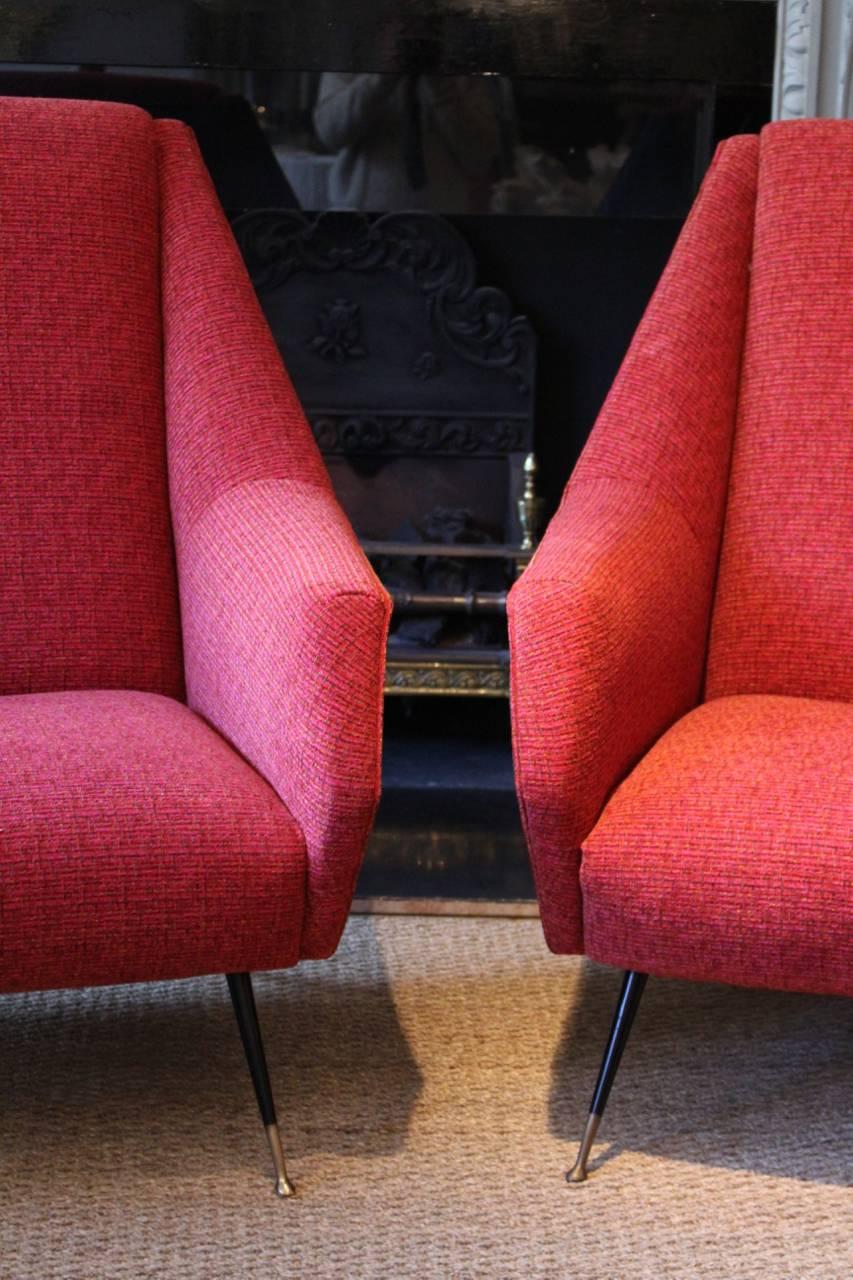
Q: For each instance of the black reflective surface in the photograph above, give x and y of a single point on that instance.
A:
(448, 824)
(728, 41)
(497, 144)
(442, 144)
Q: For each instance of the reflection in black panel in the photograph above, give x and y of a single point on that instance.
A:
(492, 144)
(446, 144)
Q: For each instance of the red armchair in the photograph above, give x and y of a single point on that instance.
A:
(191, 648)
(682, 643)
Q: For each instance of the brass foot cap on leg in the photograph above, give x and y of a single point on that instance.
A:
(578, 1172)
(283, 1186)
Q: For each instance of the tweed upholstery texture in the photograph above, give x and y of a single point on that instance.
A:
(88, 595)
(136, 845)
(705, 442)
(728, 849)
(783, 616)
(284, 622)
(198, 552)
(608, 625)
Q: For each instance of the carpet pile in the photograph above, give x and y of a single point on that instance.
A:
(432, 1081)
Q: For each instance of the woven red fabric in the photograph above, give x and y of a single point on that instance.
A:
(136, 844)
(284, 621)
(89, 596)
(727, 854)
(783, 617)
(608, 625)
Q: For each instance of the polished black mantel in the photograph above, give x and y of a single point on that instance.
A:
(724, 41)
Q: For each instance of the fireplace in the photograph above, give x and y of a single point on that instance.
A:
(418, 381)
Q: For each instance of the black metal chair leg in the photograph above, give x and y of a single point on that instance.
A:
(243, 999)
(633, 985)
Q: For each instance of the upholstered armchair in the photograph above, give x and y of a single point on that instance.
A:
(682, 643)
(191, 648)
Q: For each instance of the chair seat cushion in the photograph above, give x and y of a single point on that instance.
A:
(727, 854)
(136, 844)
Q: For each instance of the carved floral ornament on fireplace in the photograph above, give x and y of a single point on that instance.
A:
(419, 387)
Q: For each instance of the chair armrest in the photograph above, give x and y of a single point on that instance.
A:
(609, 623)
(284, 622)
(284, 639)
(608, 632)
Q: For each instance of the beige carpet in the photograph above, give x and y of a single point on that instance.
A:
(432, 1080)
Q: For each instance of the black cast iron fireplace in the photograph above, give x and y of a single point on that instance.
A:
(419, 384)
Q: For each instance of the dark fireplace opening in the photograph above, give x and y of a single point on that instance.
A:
(451, 362)
(419, 381)
(445, 599)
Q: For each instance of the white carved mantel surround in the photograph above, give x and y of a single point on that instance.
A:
(814, 59)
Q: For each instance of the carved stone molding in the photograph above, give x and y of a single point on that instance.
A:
(425, 252)
(814, 59)
(348, 433)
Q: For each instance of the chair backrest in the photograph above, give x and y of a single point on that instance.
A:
(783, 616)
(88, 591)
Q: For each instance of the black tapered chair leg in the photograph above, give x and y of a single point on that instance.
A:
(243, 999)
(633, 985)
